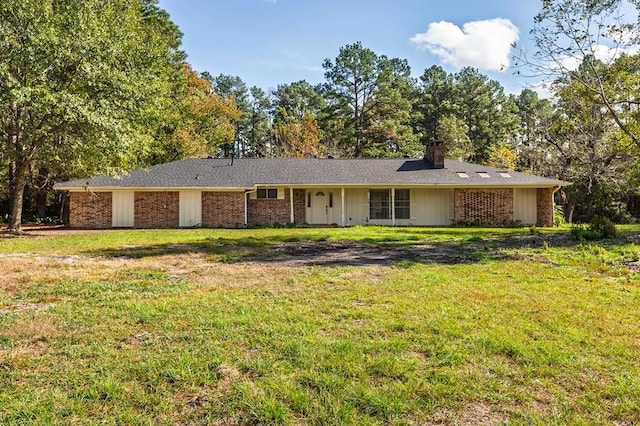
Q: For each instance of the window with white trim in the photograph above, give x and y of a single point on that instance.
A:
(267, 193)
(379, 204)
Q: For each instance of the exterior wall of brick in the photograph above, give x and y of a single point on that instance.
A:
(90, 209)
(299, 206)
(270, 211)
(226, 209)
(483, 206)
(545, 206)
(223, 209)
(157, 209)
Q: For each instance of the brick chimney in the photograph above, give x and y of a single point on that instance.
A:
(434, 155)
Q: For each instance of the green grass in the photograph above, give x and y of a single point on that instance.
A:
(175, 327)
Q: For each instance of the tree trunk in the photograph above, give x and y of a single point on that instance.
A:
(12, 181)
(572, 202)
(20, 181)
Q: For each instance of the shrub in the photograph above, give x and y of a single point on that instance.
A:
(600, 227)
(604, 226)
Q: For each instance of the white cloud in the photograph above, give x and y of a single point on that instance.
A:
(482, 44)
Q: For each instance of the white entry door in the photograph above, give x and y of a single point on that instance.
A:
(190, 208)
(122, 209)
(321, 208)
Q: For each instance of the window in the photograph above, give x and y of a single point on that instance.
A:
(331, 200)
(379, 205)
(308, 199)
(402, 204)
(270, 193)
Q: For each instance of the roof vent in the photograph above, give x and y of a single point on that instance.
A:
(330, 157)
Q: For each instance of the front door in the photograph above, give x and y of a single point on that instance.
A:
(319, 207)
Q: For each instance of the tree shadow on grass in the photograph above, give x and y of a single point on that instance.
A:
(299, 251)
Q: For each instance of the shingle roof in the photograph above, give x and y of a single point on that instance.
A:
(248, 172)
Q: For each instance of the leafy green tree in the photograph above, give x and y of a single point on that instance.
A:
(583, 145)
(488, 113)
(298, 99)
(350, 91)
(80, 84)
(435, 103)
(258, 130)
(572, 33)
(234, 87)
(199, 122)
(452, 131)
(297, 108)
(535, 118)
(297, 137)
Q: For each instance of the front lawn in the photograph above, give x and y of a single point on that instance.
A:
(365, 325)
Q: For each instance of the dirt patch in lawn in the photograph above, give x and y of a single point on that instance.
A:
(353, 253)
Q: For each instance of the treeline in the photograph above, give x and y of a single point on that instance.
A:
(100, 87)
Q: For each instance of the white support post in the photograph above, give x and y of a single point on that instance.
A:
(393, 206)
(246, 211)
(342, 209)
(293, 218)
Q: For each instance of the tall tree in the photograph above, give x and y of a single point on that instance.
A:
(298, 98)
(350, 89)
(535, 118)
(229, 86)
(362, 89)
(488, 113)
(297, 137)
(77, 83)
(258, 128)
(200, 121)
(297, 108)
(435, 103)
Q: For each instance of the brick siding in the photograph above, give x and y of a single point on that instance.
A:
(269, 211)
(223, 209)
(483, 206)
(545, 206)
(90, 209)
(157, 209)
(299, 206)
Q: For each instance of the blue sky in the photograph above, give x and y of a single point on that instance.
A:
(270, 42)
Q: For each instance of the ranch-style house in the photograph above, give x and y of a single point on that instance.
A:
(223, 192)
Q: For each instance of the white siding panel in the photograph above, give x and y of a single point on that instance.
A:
(431, 207)
(525, 207)
(122, 209)
(190, 208)
(357, 206)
